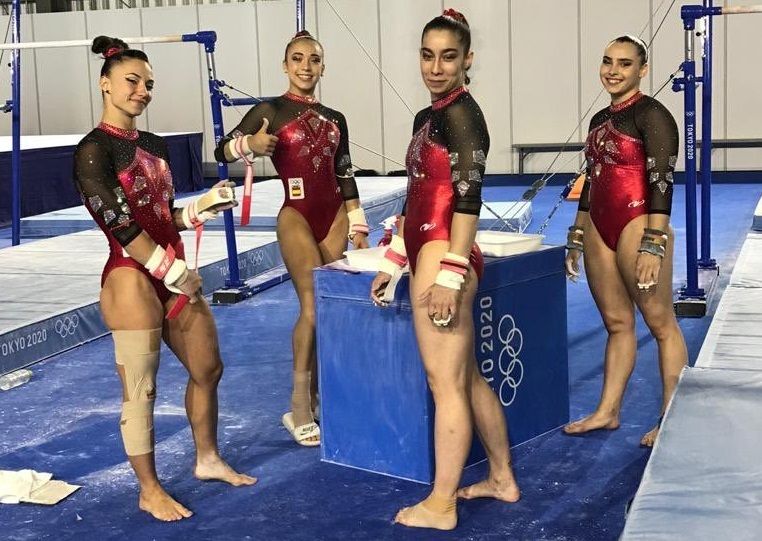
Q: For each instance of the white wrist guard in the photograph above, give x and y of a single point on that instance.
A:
(207, 206)
(452, 271)
(234, 147)
(164, 265)
(395, 256)
(357, 222)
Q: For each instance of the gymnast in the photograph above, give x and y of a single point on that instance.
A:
(445, 162)
(622, 228)
(309, 147)
(148, 292)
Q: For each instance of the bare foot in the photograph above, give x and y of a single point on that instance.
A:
(506, 490)
(162, 506)
(429, 515)
(649, 438)
(594, 421)
(216, 469)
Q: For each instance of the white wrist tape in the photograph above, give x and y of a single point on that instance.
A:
(357, 222)
(452, 271)
(231, 146)
(395, 257)
(166, 267)
(448, 278)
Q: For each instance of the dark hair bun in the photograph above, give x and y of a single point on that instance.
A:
(102, 44)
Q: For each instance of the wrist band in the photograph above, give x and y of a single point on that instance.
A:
(655, 232)
(164, 265)
(395, 256)
(575, 238)
(452, 271)
(238, 149)
(647, 247)
(357, 223)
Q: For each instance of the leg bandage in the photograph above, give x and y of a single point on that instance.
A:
(138, 353)
(301, 400)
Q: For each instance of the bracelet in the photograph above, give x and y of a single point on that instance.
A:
(575, 238)
(647, 247)
(655, 232)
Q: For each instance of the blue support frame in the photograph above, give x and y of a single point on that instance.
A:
(15, 109)
(687, 84)
(706, 261)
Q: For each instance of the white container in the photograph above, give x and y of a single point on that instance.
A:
(366, 259)
(504, 243)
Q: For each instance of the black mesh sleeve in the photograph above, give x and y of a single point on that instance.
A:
(250, 124)
(661, 141)
(101, 192)
(342, 162)
(467, 141)
(584, 197)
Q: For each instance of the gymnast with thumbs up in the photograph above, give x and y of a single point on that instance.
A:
(309, 147)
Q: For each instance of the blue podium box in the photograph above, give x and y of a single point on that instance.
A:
(377, 413)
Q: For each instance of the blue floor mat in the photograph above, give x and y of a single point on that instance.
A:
(65, 420)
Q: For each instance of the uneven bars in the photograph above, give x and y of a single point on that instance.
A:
(88, 42)
(734, 10)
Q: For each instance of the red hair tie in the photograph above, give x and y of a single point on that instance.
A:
(454, 15)
(111, 51)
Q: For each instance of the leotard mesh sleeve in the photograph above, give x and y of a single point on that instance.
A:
(467, 140)
(96, 181)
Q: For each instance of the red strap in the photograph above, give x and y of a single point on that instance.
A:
(182, 300)
(396, 258)
(180, 303)
(247, 182)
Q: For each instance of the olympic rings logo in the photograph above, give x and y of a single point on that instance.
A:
(255, 257)
(67, 325)
(509, 364)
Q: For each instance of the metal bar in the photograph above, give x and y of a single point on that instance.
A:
(706, 260)
(300, 15)
(738, 10)
(88, 42)
(16, 125)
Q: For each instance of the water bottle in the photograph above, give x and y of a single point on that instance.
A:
(14, 379)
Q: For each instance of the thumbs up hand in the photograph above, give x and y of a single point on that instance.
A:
(262, 143)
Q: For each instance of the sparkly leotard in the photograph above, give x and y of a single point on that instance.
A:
(445, 164)
(631, 151)
(311, 156)
(124, 179)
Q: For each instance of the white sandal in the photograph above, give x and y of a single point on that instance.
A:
(302, 433)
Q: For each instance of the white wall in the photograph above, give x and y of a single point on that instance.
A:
(534, 75)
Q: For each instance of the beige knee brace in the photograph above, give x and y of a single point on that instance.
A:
(138, 353)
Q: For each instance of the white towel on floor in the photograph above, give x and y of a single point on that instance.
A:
(33, 487)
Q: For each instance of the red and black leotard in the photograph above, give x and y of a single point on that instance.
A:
(124, 179)
(445, 164)
(311, 157)
(631, 152)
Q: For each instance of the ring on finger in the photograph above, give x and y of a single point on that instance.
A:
(442, 322)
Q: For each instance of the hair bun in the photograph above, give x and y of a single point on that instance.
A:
(455, 15)
(107, 46)
(302, 34)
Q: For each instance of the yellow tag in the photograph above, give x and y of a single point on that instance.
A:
(296, 188)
